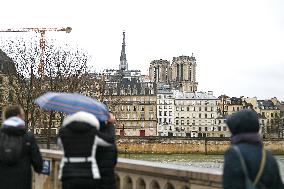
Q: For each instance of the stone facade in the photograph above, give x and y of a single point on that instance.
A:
(184, 73)
(180, 74)
(189, 114)
(165, 112)
(160, 71)
(135, 114)
(137, 174)
(5, 94)
(176, 145)
(271, 118)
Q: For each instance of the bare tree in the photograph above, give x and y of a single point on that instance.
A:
(65, 70)
(22, 78)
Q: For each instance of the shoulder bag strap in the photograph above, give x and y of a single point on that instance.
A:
(261, 167)
(241, 160)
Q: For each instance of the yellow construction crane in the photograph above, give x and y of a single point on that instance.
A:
(42, 40)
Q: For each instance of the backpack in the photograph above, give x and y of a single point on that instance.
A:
(248, 182)
(11, 148)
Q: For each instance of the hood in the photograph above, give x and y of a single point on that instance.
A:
(14, 122)
(244, 121)
(81, 121)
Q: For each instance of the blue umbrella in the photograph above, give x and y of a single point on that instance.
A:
(72, 102)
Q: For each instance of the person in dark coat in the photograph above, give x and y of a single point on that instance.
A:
(244, 126)
(79, 138)
(19, 175)
(107, 155)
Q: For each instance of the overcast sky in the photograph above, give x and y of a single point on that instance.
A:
(238, 44)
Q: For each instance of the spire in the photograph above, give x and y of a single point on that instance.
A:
(123, 66)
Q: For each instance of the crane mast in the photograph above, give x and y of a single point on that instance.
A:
(42, 32)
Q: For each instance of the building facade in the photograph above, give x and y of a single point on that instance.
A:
(165, 111)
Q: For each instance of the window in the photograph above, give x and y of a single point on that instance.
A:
(205, 115)
(176, 122)
(187, 108)
(199, 108)
(205, 108)
(182, 122)
(170, 113)
(160, 113)
(165, 120)
(199, 115)
(142, 116)
(165, 113)
(134, 108)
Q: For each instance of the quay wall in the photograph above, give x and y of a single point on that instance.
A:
(163, 145)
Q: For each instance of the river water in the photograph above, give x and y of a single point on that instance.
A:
(194, 160)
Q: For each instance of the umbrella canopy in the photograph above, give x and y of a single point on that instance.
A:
(70, 103)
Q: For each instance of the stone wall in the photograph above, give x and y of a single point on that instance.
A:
(164, 145)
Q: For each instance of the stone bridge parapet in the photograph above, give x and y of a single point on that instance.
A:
(137, 174)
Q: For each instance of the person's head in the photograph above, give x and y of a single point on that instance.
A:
(244, 121)
(13, 111)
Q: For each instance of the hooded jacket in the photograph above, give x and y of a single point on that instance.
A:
(19, 175)
(79, 140)
(243, 124)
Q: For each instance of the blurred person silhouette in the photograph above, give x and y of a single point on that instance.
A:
(18, 151)
(79, 138)
(247, 164)
(107, 155)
